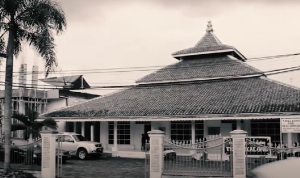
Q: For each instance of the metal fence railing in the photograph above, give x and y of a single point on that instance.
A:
(24, 156)
(203, 158)
(27, 156)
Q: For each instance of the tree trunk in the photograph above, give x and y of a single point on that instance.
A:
(8, 99)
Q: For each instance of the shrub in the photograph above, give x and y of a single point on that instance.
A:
(17, 174)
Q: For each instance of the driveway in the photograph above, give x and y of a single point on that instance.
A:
(105, 168)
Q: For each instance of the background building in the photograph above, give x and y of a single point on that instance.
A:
(36, 98)
(209, 91)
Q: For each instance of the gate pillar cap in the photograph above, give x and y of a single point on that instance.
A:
(238, 132)
(156, 132)
(49, 132)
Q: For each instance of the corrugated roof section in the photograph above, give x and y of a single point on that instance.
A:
(69, 82)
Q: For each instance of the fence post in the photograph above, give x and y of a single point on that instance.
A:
(239, 153)
(156, 153)
(48, 153)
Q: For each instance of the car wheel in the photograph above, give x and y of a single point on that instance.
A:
(82, 154)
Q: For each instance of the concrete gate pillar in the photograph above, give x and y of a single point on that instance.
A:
(156, 153)
(48, 153)
(239, 153)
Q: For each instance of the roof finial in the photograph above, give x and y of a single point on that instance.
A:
(209, 27)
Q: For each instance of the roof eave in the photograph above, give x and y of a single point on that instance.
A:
(239, 116)
(242, 57)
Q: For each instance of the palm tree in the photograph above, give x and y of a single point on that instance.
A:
(35, 22)
(30, 125)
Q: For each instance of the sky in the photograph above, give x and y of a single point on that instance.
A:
(105, 34)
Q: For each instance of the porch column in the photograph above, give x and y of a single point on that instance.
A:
(289, 140)
(75, 128)
(115, 147)
(92, 132)
(238, 125)
(83, 128)
(193, 133)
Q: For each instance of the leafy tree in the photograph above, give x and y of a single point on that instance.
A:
(34, 22)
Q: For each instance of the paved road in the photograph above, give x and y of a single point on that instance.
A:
(105, 168)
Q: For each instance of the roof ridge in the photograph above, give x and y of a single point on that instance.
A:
(244, 64)
(280, 83)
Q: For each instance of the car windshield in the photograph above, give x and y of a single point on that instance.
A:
(79, 138)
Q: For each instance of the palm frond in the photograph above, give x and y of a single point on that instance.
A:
(43, 42)
(36, 23)
(22, 118)
(15, 127)
(41, 14)
(31, 114)
(50, 123)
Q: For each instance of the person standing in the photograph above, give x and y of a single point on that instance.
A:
(143, 140)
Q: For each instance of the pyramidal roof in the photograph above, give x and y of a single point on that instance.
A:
(208, 44)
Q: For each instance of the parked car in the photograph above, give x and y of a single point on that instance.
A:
(17, 156)
(278, 169)
(169, 153)
(37, 156)
(79, 146)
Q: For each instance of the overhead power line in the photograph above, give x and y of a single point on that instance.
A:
(151, 68)
(248, 75)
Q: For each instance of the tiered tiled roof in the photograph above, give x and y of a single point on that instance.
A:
(195, 87)
(207, 67)
(251, 95)
(207, 45)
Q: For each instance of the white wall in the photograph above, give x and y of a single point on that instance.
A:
(136, 132)
(136, 135)
(104, 134)
(56, 104)
(62, 103)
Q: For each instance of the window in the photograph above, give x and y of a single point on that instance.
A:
(213, 130)
(181, 131)
(266, 128)
(199, 130)
(123, 133)
(79, 138)
(67, 138)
